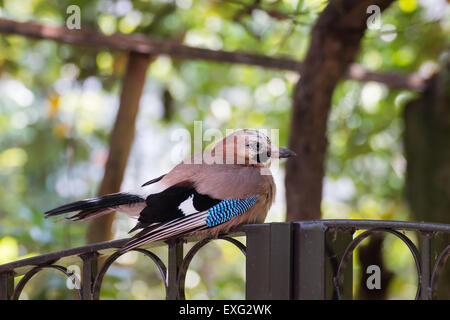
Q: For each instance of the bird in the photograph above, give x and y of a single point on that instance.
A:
(207, 194)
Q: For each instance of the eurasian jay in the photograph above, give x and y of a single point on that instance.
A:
(207, 194)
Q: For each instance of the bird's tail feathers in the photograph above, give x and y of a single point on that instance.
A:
(176, 227)
(95, 207)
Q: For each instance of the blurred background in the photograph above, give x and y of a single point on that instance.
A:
(59, 104)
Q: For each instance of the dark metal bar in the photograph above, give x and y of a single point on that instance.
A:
(309, 261)
(6, 285)
(425, 262)
(281, 251)
(108, 246)
(88, 274)
(175, 260)
(257, 285)
(392, 224)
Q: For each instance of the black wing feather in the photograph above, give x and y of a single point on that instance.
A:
(98, 203)
(164, 206)
(153, 181)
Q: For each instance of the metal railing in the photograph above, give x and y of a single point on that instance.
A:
(295, 260)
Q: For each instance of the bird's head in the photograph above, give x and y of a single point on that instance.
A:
(250, 147)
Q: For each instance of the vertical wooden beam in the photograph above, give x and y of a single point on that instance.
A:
(335, 41)
(121, 140)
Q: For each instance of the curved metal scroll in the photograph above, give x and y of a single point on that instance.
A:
(112, 258)
(193, 251)
(33, 272)
(355, 242)
(440, 262)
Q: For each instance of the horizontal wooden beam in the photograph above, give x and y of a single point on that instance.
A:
(153, 46)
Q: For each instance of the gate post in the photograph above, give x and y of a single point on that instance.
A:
(269, 261)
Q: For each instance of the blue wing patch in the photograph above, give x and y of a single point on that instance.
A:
(228, 209)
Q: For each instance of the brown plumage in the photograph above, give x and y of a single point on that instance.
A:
(230, 182)
(207, 194)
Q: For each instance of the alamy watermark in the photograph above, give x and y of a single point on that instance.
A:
(374, 280)
(73, 21)
(74, 280)
(209, 147)
(387, 31)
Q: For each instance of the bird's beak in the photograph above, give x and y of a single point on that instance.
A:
(283, 153)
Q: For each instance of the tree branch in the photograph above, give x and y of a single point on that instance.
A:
(152, 46)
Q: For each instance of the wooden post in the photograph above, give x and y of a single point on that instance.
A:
(121, 140)
(335, 41)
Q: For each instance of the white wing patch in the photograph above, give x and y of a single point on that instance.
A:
(131, 210)
(153, 188)
(187, 206)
